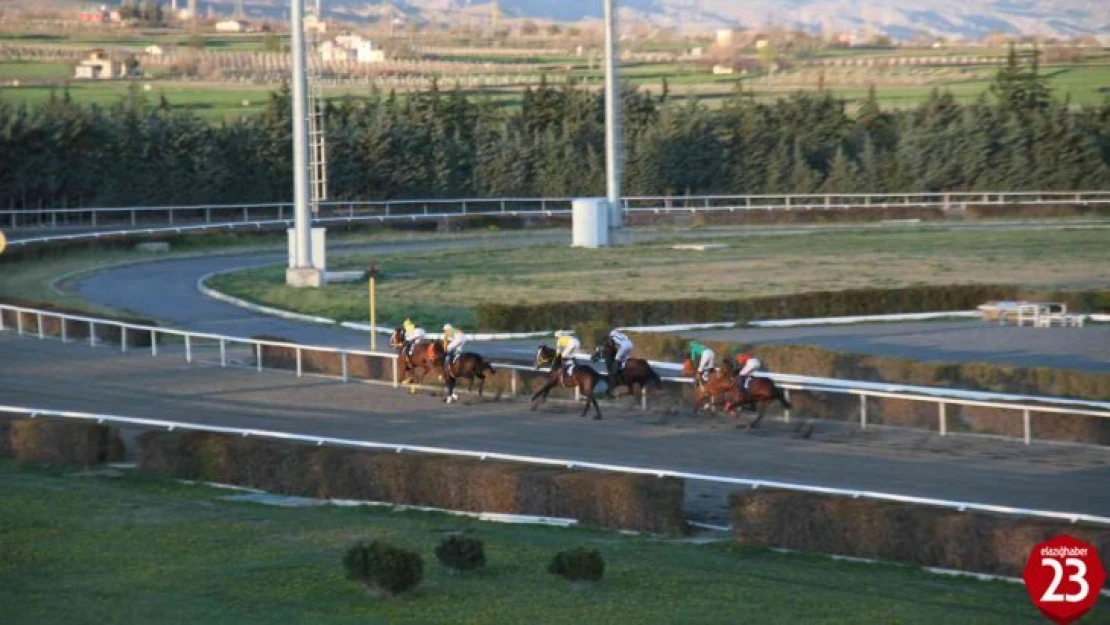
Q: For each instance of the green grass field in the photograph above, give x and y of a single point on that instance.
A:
(133, 549)
(444, 286)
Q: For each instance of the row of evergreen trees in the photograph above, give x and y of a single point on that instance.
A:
(443, 144)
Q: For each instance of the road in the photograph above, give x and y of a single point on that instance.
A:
(48, 374)
(166, 290)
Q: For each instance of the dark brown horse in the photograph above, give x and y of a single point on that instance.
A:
(423, 356)
(585, 379)
(468, 365)
(636, 371)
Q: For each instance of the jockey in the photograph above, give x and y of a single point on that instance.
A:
(453, 341)
(412, 335)
(748, 365)
(567, 346)
(624, 348)
(704, 357)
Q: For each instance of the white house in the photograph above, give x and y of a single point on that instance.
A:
(232, 26)
(351, 48)
(99, 66)
(154, 50)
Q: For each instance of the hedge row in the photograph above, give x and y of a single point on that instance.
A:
(612, 500)
(902, 532)
(59, 442)
(543, 316)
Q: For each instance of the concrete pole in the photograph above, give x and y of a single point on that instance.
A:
(302, 257)
(612, 116)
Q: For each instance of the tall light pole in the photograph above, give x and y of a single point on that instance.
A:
(612, 116)
(300, 271)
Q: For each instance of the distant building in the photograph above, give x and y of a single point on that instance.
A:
(99, 66)
(719, 70)
(232, 26)
(154, 50)
(727, 36)
(351, 48)
(313, 23)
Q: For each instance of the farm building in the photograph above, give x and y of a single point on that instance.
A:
(352, 49)
(99, 66)
(232, 26)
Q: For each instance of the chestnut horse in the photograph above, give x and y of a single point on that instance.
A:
(723, 385)
(423, 356)
(636, 370)
(584, 378)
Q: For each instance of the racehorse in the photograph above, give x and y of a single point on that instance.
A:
(722, 384)
(636, 370)
(710, 390)
(423, 356)
(584, 378)
(468, 365)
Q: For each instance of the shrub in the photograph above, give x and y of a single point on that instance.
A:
(578, 565)
(461, 553)
(383, 567)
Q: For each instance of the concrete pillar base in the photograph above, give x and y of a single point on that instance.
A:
(305, 277)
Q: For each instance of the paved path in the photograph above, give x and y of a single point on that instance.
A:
(48, 374)
(166, 290)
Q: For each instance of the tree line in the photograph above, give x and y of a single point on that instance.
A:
(441, 143)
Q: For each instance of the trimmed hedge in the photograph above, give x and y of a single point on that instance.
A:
(59, 442)
(915, 534)
(547, 315)
(607, 499)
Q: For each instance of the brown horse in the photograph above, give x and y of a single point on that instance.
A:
(710, 390)
(423, 356)
(468, 365)
(722, 385)
(585, 379)
(637, 371)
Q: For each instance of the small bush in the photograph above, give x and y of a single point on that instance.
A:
(387, 569)
(578, 565)
(461, 553)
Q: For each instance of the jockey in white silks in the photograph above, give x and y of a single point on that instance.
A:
(624, 348)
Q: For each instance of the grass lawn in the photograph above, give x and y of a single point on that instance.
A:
(445, 285)
(32, 70)
(133, 549)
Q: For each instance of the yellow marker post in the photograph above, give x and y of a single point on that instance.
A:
(3, 242)
(372, 273)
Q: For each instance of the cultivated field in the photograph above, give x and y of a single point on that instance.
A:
(899, 76)
(444, 286)
(117, 548)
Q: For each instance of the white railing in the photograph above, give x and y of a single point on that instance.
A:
(417, 210)
(942, 397)
(960, 506)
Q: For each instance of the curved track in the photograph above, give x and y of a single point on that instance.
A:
(166, 290)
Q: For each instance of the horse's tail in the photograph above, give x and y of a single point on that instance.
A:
(487, 367)
(655, 377)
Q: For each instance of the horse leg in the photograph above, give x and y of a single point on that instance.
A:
(597, 408)
(543, 391)
(759, 415)
(481, 383)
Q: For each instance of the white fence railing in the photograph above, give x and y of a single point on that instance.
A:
(961, 506)
(416, 210)
(1026, 405)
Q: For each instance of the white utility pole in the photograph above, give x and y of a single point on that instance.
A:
(612, 116)
(301, 271)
